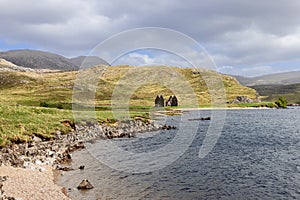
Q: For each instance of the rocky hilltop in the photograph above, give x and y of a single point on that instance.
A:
(38, 60)
(45, 60)
(6, 66)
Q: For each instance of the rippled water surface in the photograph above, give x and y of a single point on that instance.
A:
(256, 157)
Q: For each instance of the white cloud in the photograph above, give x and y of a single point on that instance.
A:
(224, 68)
(249, 71)
(157, 58)
(234, 32)
(141, 59)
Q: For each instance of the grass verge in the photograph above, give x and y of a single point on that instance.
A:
(253, 105)
(19, 123)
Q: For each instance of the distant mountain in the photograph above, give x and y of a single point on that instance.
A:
(38, 60)
(273, 92)
(44, 60)
(88, 61)
(285, 78)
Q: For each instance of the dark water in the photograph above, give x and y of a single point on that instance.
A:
(256, 157)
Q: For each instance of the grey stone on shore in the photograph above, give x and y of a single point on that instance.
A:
(243, 99)
(3, 178)
(85, 185)
(36, 139)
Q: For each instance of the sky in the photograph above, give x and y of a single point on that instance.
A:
(247, 37)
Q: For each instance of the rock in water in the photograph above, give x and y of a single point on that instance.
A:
(81, 167)
(85, 185)
(202, 118)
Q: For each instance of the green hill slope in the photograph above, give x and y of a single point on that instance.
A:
(35, 102)
(31, 88)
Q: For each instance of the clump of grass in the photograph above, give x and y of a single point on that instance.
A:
(58, 105)
(19, 123)
(254, 105)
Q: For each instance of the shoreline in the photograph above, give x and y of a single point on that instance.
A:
(35, 166)
(233, 108)
(223, 108)
(30, 184)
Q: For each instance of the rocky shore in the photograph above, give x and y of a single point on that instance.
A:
(40, 152)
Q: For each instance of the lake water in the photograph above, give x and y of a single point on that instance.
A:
(257, 156)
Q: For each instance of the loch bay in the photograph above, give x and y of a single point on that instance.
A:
(256, 157)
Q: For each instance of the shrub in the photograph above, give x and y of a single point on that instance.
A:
(59, 106)
(52, 105)
(44, 104)
(281, 102)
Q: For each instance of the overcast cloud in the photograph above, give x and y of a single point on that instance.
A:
(243, 37)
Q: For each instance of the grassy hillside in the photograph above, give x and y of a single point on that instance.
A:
(34, 103)
(273, 92)
(29, 88)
